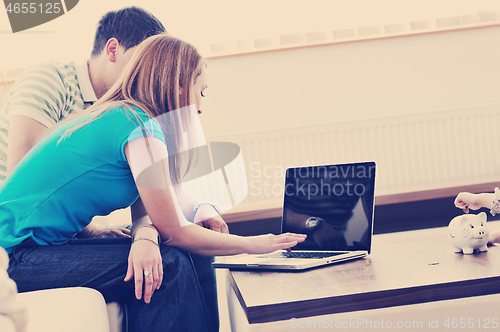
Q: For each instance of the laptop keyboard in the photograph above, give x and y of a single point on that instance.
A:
(302, 254)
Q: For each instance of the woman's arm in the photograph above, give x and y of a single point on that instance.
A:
(199, 240)
(166, 213)
(466, 201)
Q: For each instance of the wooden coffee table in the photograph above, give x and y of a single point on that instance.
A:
(403, 268)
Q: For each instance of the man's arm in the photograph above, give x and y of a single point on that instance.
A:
(206, 215)
(35, 103)
(23, 133)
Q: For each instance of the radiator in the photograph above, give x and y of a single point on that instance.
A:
(413, 152)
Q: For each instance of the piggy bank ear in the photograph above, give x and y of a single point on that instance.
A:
(464, 219)
(483, 216)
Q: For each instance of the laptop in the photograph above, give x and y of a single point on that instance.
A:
(333, 205)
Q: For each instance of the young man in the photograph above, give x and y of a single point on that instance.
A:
(48, 93)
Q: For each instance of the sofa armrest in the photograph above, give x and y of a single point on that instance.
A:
(75, 309)
(6, 324)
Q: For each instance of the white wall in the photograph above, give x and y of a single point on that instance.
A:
(353, 81)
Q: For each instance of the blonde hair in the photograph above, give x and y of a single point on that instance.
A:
(158, 79)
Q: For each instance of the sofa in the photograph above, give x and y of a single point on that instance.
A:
(66, 309)
(56, 310)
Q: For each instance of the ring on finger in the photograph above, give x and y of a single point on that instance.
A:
(147, 273)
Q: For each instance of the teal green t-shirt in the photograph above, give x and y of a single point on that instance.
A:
(56, 189)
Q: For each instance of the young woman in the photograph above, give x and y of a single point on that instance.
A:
(104, 160)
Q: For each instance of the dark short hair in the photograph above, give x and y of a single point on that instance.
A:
(130, 26)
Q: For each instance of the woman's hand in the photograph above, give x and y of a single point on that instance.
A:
(264, 244)
(494, 237)
(145, 265)
(466, 201)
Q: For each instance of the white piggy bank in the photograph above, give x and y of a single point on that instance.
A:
(469, 232)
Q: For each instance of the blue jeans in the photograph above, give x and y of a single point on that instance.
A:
(101, 264)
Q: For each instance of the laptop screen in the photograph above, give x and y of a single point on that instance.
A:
(332, 204)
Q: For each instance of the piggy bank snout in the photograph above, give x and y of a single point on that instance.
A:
(479, 231)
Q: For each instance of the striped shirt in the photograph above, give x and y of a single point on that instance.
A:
(47, 93)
